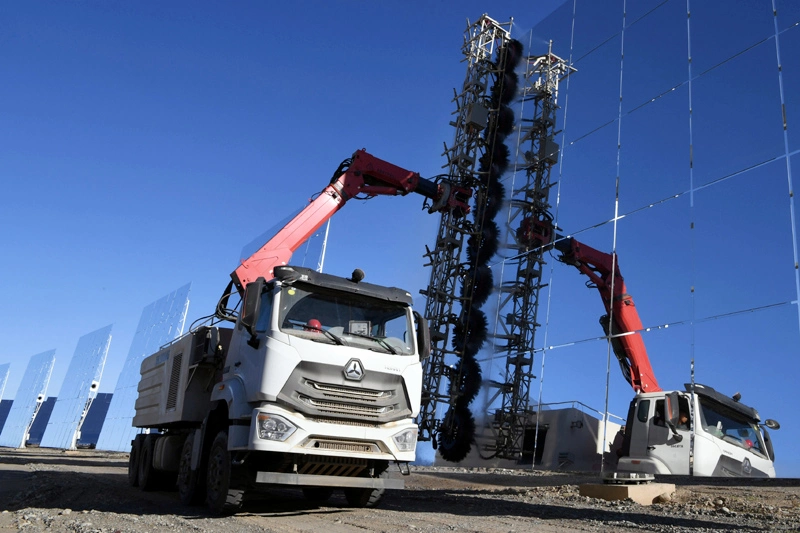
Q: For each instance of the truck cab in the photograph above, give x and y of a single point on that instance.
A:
(729, 440)
(314, 352)
(316, 386)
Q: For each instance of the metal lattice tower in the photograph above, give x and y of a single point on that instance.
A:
(529, 229)
(444, 307)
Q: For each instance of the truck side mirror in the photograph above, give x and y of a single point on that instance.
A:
(210, 342)
(423, 336)
(673, 414)
(252, 306)
(673, 411)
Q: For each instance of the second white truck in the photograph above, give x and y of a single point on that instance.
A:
(697, 431)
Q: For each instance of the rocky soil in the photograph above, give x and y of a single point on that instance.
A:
(87, 491)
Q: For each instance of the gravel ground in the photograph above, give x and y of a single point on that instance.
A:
(87, 491)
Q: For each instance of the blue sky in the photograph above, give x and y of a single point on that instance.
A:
(146, 144)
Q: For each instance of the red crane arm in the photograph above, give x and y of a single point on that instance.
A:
(603, 271)
(364, 175)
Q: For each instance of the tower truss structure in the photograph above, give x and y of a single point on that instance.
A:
(446, 304)
(529, 230)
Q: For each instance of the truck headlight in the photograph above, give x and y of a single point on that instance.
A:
(274, 427)
(406, 440)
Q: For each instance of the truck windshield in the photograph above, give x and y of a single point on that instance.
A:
(343, 318)
(730, 426)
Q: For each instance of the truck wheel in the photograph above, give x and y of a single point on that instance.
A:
(366, 497)
(148, 476)
(189, 481)
(363, 497)
(220, 498)
(133, 462)
(317, 494)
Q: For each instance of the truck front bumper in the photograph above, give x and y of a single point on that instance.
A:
(345, 438)
(310, 480)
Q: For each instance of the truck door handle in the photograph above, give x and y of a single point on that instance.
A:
(237, 363)
(651, 447)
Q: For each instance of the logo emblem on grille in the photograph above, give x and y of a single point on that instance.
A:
(354, 370)
(747, 468)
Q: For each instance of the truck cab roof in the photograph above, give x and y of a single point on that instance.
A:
(727, 401)
(295, 274)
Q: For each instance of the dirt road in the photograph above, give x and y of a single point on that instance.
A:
(87, 491)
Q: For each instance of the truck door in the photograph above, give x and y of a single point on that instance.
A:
(246, 357)
(661, 442)
(638, 419)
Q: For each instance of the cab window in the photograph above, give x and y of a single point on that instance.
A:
(349, 319)
(265, 315)
(658, 418)
(644, 411)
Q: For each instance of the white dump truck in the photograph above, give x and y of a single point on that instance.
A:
(316, 386)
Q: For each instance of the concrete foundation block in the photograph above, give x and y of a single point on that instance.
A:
(643, 494)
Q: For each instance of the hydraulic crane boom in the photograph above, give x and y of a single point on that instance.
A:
(602, 269)
(363, 174)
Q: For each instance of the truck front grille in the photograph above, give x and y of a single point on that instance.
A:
(340, 408)
(320, 390)
(339, 391)
(342, 422)
(341, 445)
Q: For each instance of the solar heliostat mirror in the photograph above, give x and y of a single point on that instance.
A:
(30, 395)
(5, 405)
(78, 390)
(3, 377)
(161, 322)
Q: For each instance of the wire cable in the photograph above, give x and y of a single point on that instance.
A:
(617, 182)
(656, 203)
(643, 16)
(666, 325)
(555, 224)
(681, 84)
(787, 157)
(692, 240)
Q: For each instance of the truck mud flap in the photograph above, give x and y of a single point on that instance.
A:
(310, 480)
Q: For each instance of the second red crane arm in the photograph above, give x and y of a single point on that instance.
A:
(603, 271)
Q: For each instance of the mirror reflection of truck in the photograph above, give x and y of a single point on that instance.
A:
(317, 384)
(729, 438)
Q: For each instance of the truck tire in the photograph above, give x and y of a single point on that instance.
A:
(133, 462)
(190, 486)
(317, 494)
(148, 476)
(366, 497)
(220, 498)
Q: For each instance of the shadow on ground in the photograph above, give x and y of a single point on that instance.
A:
(111, 493)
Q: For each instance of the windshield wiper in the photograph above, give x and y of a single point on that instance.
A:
(376, 339)
(335, 338)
